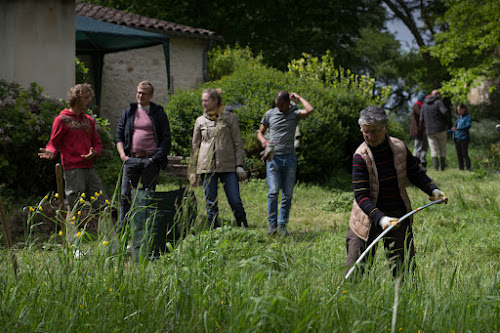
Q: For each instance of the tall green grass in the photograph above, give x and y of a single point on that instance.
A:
(236, 280)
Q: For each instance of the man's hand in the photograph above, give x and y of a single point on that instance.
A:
(124, 157)
(242, 174)
(267, 154)
(295, 96)
(437, 194)
(47, 154)
(386, 221)
(91, 155)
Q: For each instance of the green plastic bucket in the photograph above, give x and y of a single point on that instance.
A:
(153, 218)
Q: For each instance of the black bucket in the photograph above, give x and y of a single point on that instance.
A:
(155, 217)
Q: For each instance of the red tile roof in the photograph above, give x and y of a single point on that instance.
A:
(120, 17)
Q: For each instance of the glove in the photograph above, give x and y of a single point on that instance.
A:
(267, 154)
(242, 174)
(386, 221)
(437, 194)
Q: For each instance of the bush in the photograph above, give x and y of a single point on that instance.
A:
(329, 136)
(27, 117)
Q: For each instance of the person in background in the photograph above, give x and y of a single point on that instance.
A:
(417, 131)
(218, 154)
(461, 135)
(435, 117)
(143, 141)
(280, 156)
(381, 167)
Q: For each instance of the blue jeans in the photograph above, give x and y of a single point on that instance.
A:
(136, 168)
(281, 173)
(231, 187)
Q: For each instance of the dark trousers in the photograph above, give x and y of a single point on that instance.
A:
(398, 244)
(462, 148)
(231, 187)
(136, 168)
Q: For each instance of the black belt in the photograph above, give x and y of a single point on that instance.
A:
(141, 154)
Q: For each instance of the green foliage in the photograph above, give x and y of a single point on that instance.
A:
(224, 61)
(235, 280)
(81, 72)
(468, 48)
(27, 117)
(330, 135)
(324, 70)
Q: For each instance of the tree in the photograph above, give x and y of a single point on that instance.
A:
(279, 30)
(425, 12)
(469, 47)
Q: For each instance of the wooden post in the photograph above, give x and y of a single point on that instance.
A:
(6, 231)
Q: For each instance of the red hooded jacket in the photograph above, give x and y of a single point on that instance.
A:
(72, 136)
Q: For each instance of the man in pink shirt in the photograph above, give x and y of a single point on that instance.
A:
(143, 142)
(74, 136)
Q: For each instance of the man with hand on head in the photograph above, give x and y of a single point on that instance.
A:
(143, 141)
(280, 156)
(380, 168)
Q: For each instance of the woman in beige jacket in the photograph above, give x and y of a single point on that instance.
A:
(218, 154)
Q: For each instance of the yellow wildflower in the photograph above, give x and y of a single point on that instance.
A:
(56, 195)
(344, 292)
(83, 195)
(92, 198)
(110, 289)
(32, 209)
(82, 201)
(105, 243)
(79, 213)
(40, 208)
(81, 306)
(100, 192)
(72, 222)
(96, 194)
(46, 197)
(106, 201)
(60, 233)
(73, 218)
(79, 234)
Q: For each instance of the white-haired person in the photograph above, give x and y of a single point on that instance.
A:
(380, 168)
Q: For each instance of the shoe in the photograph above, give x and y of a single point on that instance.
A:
(283, 231)
(273, 229)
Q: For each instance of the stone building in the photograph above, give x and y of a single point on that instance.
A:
(121, 71)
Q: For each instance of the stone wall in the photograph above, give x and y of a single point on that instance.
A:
(123, 70)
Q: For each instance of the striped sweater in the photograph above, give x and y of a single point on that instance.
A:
(389, 198)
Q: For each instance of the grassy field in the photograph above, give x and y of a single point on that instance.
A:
(236, 280)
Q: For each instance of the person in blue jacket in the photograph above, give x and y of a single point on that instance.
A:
(461, 135)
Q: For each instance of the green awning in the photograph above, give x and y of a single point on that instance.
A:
(96, 38)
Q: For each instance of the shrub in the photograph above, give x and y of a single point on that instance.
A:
(330, 135)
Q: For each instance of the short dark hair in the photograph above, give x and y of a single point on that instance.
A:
(282, 95)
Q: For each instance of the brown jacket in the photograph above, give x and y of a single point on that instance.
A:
(217, 144)
(359, 222)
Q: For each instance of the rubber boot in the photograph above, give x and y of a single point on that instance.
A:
(443, 163)
(435, 162)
